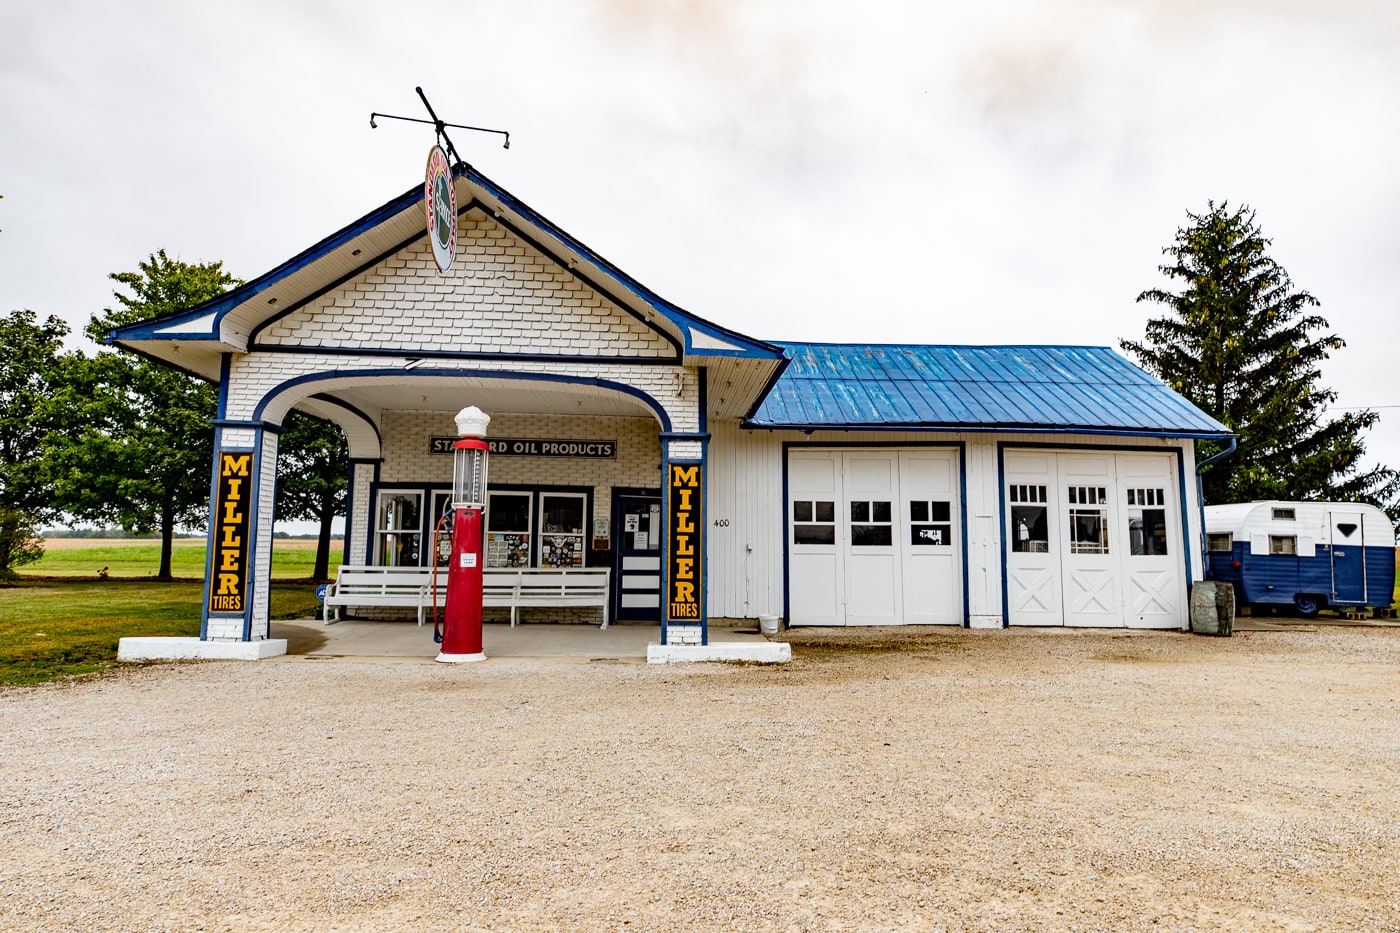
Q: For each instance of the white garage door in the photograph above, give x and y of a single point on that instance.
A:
(874, 537)
(1094, 539)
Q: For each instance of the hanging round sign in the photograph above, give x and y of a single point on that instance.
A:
(440, 197)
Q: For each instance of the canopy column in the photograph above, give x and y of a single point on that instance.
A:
(238, 573)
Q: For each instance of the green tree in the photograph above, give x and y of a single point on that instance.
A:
(313, 463)
(1242, 343)
(30, 368)
(142, 440)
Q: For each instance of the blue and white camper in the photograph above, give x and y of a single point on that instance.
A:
(1308, 554)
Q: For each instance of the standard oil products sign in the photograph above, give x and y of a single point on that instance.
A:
(440, 199)
(228, 592)
(684, 555)
(534, 447)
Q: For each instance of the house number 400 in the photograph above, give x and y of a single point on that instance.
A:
(721, 523)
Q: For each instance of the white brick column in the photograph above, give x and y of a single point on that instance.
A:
(359, 510)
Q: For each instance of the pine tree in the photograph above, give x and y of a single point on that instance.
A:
(1242, 343)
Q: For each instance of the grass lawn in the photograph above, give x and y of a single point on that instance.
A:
(61, 621)
(50, 629)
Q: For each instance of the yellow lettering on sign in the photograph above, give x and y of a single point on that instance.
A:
(685, 593)
(232, 539)
(683, 566)
(228, 584)
(230, 559)
(683, 546)
(236, 464)
(685, 476)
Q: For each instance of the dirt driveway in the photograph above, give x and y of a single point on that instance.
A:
(889, 779)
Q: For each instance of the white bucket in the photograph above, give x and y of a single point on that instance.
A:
(768, 625)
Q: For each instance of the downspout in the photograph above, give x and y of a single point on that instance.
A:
(1201, 501)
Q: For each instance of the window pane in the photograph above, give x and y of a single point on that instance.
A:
(826, 511)
(1284, 515)
(1220, 543)
(930, 535)
(918, 511)
(879, 511)
(1147, 532)
(508, 511)
(1088, 531)
(872, 535)
(814, 534)
(1283, 544)
(802, 511)
(561, 514)
(941, 511)
(1030, 529)
(860, 511)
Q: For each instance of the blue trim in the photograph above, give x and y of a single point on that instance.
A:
(955, 428)
(225, 365)
(1186, 549)
(222, 305)
(958, 445)
(1001, 536)
(703, 375)
(506, 375)
(332, 400)
(962, 504)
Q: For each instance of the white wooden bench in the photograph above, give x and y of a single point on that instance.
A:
(546, 587)
(412, 588)
(383, 587)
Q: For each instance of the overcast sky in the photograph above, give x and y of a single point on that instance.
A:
(911, 171)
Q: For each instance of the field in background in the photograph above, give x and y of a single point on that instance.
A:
(55, 629)
(292, 558)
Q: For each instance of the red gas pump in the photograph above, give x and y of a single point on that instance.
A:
(461, 629)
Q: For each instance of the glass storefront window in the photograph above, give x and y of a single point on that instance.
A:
(398, 529)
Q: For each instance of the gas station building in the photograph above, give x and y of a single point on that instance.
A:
(717, 476)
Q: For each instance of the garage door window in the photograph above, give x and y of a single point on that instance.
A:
(1147, 522)
(871, 524)
(929, 523)
(1088, 520)
(1030, 526)
(813, 522)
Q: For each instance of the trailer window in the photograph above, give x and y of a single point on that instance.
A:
(1283, 544)
(1285, 515)
(1220, 543)
(1147, 522)
(1030, 526)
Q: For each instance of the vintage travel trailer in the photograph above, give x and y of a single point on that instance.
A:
(713, 475)
(1310, 555)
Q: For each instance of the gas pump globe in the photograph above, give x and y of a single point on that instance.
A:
(461, 633)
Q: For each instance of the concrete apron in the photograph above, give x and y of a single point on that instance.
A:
(406, 641)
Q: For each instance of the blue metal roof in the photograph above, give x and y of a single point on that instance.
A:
(1016, 388)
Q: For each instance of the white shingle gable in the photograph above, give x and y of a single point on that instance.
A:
(502, 295)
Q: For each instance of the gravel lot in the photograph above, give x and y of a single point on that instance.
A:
(887, 779)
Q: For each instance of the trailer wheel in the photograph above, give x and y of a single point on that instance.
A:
(1306, 605)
